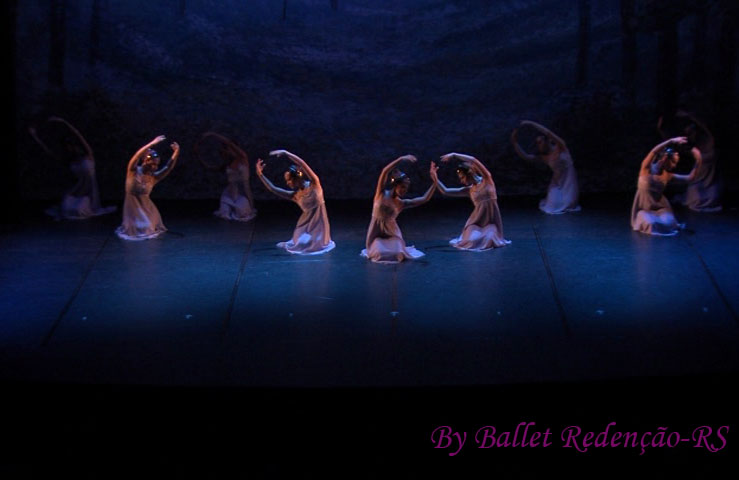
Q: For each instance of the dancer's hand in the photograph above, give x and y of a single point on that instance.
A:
(680, 140)
(447, 157)
(159, 139)
(54, 119)
(433, 171)
(410, 158)
(175, 147)
(260, 167)
(278, 152)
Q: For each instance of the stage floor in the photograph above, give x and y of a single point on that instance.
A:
(575, 297)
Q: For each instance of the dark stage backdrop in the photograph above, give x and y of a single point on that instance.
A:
(352, 84)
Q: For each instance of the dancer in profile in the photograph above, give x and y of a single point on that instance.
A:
(703, 194)
(563, 192)
(141, 219)
(312, 234)
(83, 199)
(384, 243)
(237, 202)
(651, 213)
(484, 227)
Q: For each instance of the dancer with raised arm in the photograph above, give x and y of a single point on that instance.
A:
(83, 199)
(563, 192)
(312, 234)
(651, 213)
(141, 219)
(384, 243)
(237, 202)
(703, 194)
(484, 227)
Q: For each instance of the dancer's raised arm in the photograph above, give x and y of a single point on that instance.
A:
(694, 172)
(137, 156)
(301, 163)
(232, 148)
(164, 171)
(414, 202)
(520, 151)
(647, 162)
(196, 151)
(280, 192)
(548, 133)
(699, 124)
(383, 178)
(44, 147)
(76, 132)
(476, 164)
(452, 192)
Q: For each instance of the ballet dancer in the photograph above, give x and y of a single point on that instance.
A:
(237, 202)
(83, 199)
(384, 242)
(312, 234)
(563, 191)
(703, 194)
(484, 227)
(141, 219)
(651, 213)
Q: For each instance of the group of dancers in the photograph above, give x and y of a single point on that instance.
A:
(651, 211)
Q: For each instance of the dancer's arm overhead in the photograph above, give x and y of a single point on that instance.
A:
(452, 192)
(85, 145)
(476, 164)
(280, 192)
(140, 153)
(196, 150)
(694, 172)
(520, 151)
(383, 178)
(44, 147)
(548, 133)
(647, 162)
(166, 169)
(414, 202)
(301, 163)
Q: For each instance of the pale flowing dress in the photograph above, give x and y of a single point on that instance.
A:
(651, 212)
(312, 234)
(384, 242)
(141, 219)
(83, 200)
(563, 192)
(704, 193)
(235, 204)
(484, 227)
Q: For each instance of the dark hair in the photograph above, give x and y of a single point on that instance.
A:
(397, 177)
(465, 168)
(295, 172)
(666, 154)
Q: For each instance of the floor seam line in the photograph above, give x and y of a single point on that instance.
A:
(553, 283)
(714, 282)
(76, 292)
(237, 283)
